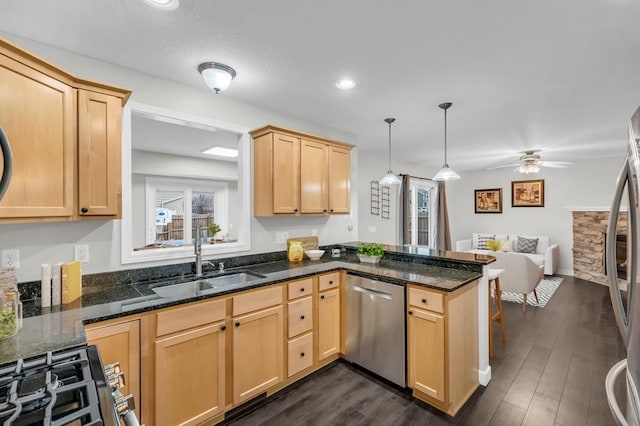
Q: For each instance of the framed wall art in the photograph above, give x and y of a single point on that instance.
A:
(527, 193)
(488, 200)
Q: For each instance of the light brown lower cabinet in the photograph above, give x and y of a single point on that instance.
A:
(442, 340)
(195, 361)
(190, 376)
(328, 323)
(426, 352)
(300, 354)
(119, 341)
(258, 354)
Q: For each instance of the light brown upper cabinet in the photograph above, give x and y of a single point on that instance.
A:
(299, 174)
(65, 136)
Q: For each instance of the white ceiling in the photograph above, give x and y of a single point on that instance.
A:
(560, 76)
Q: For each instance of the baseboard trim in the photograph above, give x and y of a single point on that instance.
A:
(568, 272)
(484, 376)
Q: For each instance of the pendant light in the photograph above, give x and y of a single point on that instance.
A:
(445, 172)
(390, 179)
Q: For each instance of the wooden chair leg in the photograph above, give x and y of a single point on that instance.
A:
(490, 323)
(498, 293)
(524, 302)
(535, 293)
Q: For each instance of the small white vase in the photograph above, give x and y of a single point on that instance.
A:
(368, 259)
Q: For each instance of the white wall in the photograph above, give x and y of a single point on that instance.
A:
(585, 184)
(53, 242)
(374, 228)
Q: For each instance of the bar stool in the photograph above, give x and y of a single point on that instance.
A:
(494, 277)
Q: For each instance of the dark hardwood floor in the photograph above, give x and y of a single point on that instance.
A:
(550, 371)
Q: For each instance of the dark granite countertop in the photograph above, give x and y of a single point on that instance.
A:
(51, 329)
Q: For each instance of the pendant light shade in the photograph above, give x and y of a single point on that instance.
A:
(445, 173)
(390, 178)
(216, 76)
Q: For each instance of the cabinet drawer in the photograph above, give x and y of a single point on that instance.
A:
(300, 288)
(426, 299)
(258, 299)
(300, 316)
(328, 281)
(300, 354)
(191, 315)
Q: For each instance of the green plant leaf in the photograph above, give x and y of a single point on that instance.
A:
(371, 249)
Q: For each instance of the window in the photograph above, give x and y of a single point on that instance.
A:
(172, 203)
(170, 187)
(421, 216)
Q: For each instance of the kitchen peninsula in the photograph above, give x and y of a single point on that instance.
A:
(275, 294)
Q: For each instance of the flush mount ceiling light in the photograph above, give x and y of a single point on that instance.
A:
(163, 4)
(390, 179)
(217, 76)
(445, 173)
(346, 84)
(221, 152)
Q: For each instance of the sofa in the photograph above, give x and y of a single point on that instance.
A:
(544, 253)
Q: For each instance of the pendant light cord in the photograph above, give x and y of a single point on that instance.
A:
(389, 121)
(389, 145)
(445, 136)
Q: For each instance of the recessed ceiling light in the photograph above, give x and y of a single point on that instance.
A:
(221, 152)
(345, 84)
(163, 4)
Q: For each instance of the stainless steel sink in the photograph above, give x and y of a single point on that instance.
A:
(205, 285)
(233, 279)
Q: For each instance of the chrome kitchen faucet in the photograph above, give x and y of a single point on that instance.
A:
(197, 248)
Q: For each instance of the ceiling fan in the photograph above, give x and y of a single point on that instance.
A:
(530, 163)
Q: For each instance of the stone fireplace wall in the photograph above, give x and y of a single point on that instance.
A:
(589, 231)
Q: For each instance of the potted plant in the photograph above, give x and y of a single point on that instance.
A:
(213, 229)
(370, 252)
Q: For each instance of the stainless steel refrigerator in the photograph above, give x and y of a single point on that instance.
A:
(626, 304)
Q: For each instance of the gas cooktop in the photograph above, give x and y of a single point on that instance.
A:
(62, 388)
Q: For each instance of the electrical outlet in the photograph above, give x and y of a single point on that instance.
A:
(81, 253)
(11, 257)
(314, 232)
(281, 237)
(372, 229)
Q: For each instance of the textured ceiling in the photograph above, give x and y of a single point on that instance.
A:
(561, 76)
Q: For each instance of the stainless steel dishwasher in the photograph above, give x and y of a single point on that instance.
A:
(376, 327)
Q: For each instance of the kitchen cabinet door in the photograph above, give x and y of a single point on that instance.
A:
(426, 353)
(190, 376)
(286, 174)
(328, 323)
(120, 342)
(299, 174)
(339, 179)
(37, 112)
(313, 177)
(258, 352)
(99, 154)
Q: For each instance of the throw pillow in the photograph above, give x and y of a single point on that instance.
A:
(507, 245)
(482, 242)
(527, 245)
(494, 245)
